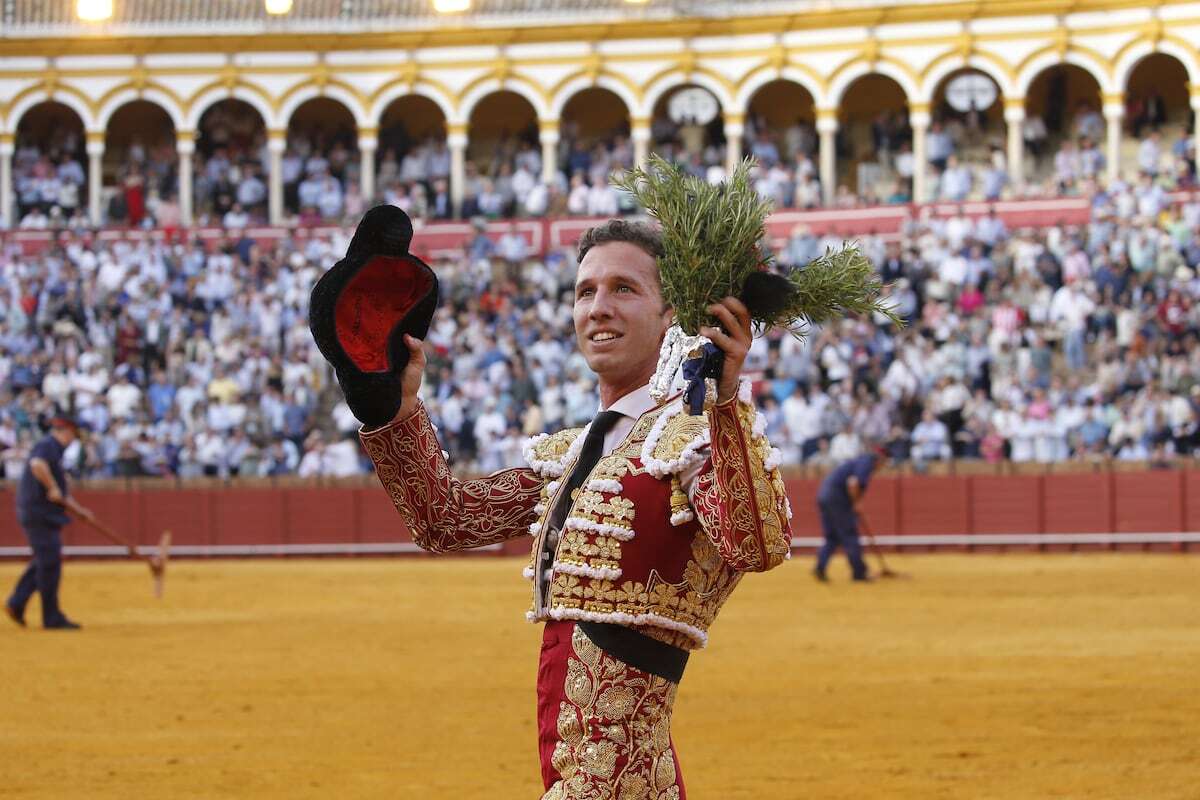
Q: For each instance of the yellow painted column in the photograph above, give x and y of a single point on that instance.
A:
(548, 135)
(639, 132)
(95, 152)
(456, 140)
(185, 148)
(1114, 115)
(918, 120)
(827, 127)
(368, 143)
(1196, 128)
(1014, 119)
(7, 148)
(276, 144)
(735, 131)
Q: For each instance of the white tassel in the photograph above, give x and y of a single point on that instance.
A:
(682, 517)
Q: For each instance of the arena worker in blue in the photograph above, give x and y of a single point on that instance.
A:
(838, 500)
(43, 499)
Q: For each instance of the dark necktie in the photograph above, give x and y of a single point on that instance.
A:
(593, 448)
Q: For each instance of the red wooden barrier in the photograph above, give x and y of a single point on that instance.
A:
(932, 505)
(1005, 504)
(1078, 503)
(210, 514)
(1148, 501)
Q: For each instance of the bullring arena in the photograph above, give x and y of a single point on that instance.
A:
(1015, 676)
(175, 176)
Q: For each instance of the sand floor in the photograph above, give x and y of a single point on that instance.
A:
(984, 676)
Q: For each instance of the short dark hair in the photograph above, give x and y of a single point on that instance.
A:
(640, 234)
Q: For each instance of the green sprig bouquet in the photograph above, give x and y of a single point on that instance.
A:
(711, 238)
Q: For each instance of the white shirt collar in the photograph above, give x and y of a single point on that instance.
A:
(635, 403)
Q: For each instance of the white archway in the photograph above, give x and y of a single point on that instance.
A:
(1141, 50)
(950, 65)
(860, 69)
(1046, 60)
(419, 89)
(765, 76)
(206, 100)
(491, 85)
(68, 99)
(299, 97)
(676, 78)
(151, 95)
(582, 83)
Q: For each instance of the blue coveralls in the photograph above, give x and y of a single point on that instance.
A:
(838, 520)
(42, 522)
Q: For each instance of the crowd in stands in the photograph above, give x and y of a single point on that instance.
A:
(321, 168)
(50, 179)
(1032, 345)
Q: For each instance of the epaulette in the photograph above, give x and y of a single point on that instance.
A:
(675, 442)
(548, 453)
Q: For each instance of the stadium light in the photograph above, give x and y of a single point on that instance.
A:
(451, 6)
(94, 10)
(278, 6)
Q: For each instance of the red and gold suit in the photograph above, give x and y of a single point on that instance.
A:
(637, 549)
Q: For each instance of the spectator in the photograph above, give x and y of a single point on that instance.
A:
(930, 439)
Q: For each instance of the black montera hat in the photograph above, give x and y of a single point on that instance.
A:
(362, 307)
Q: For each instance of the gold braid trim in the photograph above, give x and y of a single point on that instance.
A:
(614, 731)
(443, 512)
(739, 502)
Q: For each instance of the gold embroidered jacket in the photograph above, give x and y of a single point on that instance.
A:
(633, 550)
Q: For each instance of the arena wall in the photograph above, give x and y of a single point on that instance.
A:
(1111, 509)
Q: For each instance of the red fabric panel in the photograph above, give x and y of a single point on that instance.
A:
(372, 303)
(319, 515)
(249, 516)
(378, 519)
(1149, 502)
(1079, 503)
(932, 504)
(187, 514)
(1009, 504)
